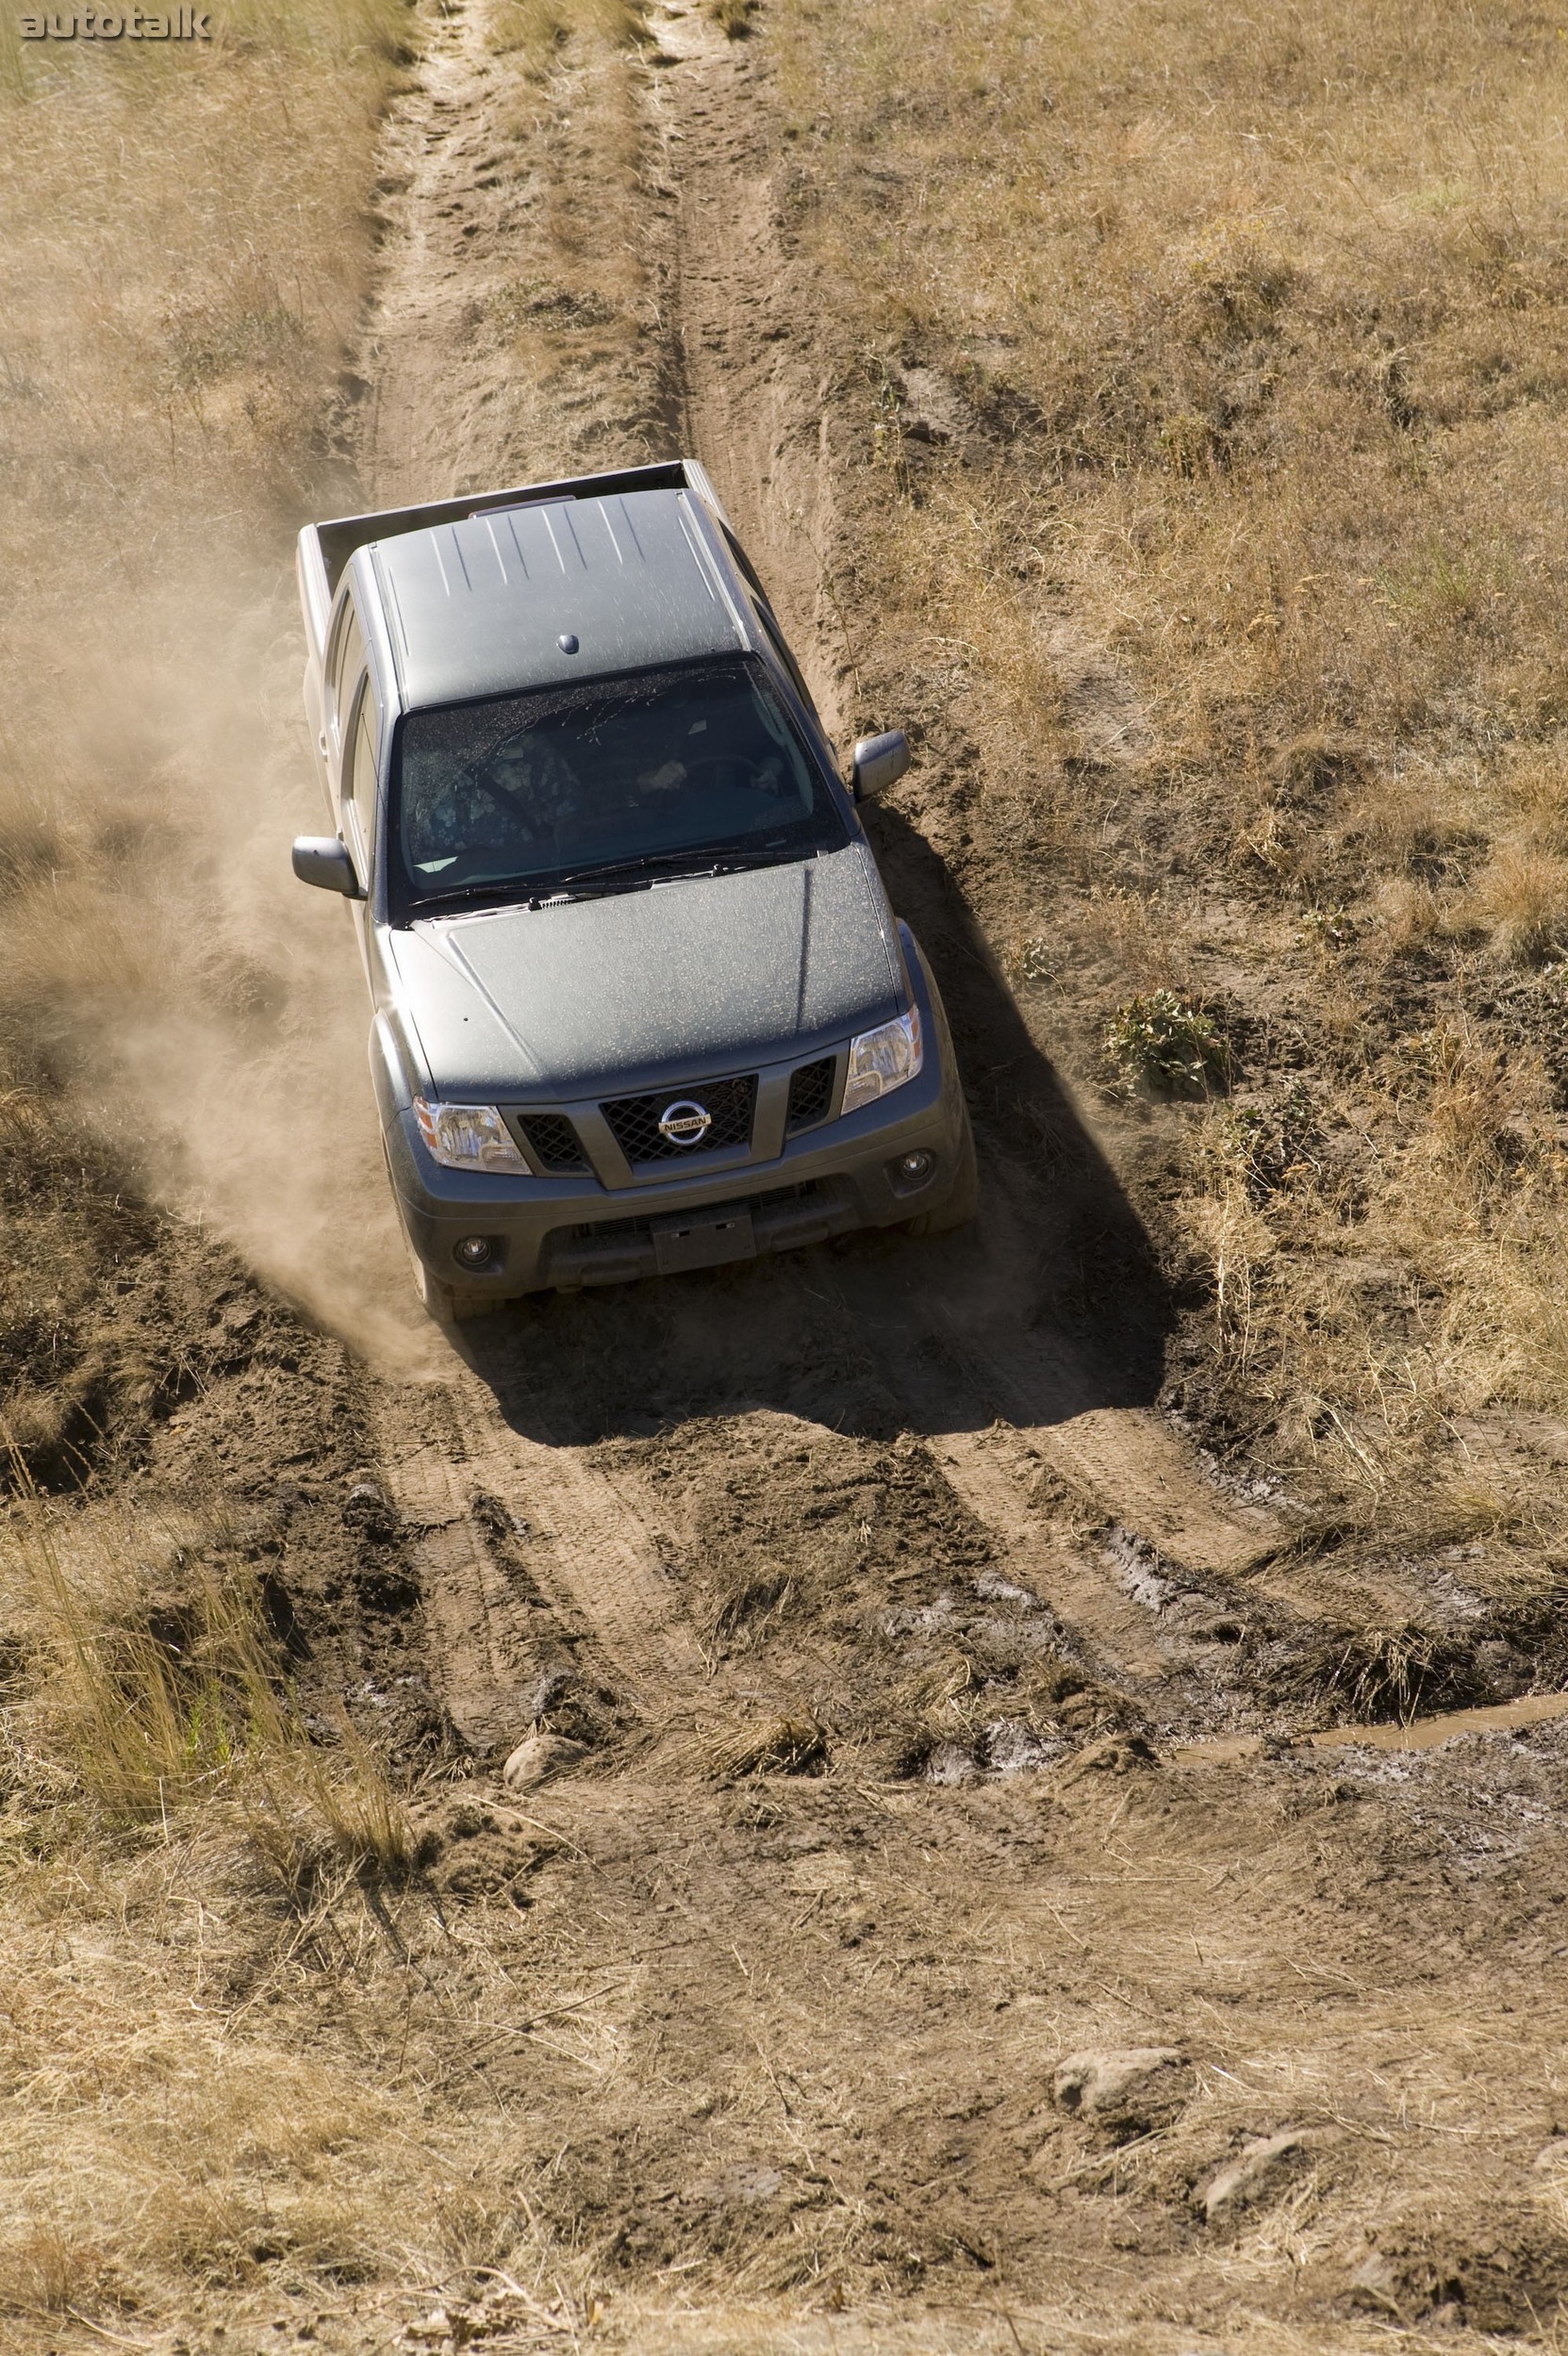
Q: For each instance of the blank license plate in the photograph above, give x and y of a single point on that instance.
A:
(703, 1239)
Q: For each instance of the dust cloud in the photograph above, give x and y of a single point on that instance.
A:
(216, 1006)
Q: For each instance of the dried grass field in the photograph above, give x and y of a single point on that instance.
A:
(1015, 1869)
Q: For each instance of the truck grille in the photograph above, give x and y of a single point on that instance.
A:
(633, 1121)
(554, 1140)
(810, 1094)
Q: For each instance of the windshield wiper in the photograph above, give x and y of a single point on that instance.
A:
(470, 896)
(617, 874)
(520, 895)
(644, 862)
(741, 861)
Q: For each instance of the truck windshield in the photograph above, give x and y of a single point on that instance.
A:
(521, 796)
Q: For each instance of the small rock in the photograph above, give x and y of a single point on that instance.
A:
(1259, 2172)
(1014, 1748)
(951, 1763)
(1552, 2156)
(1126, 2088)
(751, 2185)
(932, 409)
(537, 1757)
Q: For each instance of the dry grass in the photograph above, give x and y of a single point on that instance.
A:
(187, 1871)
(539, 31)
(733, 18)
(1216, 375)
(155, 1686)
(1521, 898)
(182, 2147)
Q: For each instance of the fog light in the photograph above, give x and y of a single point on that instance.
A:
(917, 1167)
(474, 1252)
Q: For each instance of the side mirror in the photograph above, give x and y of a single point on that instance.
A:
(323, 860)
(879, 763)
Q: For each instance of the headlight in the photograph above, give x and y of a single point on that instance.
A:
(883, 1059)
(468, 1137)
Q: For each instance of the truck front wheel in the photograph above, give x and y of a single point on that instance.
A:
(961, 1200)
(446, 1304)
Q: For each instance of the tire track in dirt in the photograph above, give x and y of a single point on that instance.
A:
(523, 1546)
(755, 410)
(755, 402)
(570, 1539)
(436, 137)
(990, 1470)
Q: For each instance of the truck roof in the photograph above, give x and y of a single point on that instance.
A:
(478, 606)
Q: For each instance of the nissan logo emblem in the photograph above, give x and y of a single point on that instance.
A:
(685, 1123)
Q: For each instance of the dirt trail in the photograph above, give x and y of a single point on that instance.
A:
(521, 1546)
(529, 1550)
(431, 413)
(509, 1531)
(754, 402)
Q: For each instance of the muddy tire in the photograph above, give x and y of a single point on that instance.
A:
(445, 1303)
(962, 1200)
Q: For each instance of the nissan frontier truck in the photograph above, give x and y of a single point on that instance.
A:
(640, 1002)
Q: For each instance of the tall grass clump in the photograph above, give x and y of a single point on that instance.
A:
(157, 1688)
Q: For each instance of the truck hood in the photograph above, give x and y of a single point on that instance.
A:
(689, 978)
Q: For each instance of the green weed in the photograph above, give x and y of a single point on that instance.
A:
(1167, 1047)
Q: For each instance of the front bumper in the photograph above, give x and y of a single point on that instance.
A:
(565, 1231)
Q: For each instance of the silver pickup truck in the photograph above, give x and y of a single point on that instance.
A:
(640, 1003)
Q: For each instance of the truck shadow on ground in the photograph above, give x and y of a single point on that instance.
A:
(1052, 1304)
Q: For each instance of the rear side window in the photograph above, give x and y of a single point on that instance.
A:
(362, 770)
(770, 621)
(346, 660)
(776, 640)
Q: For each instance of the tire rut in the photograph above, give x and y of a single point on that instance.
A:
(752, 398)
(442, 410)
(991, 1472)
(754, 411)
(578, 1539)
(754, 402)
(412, 443)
